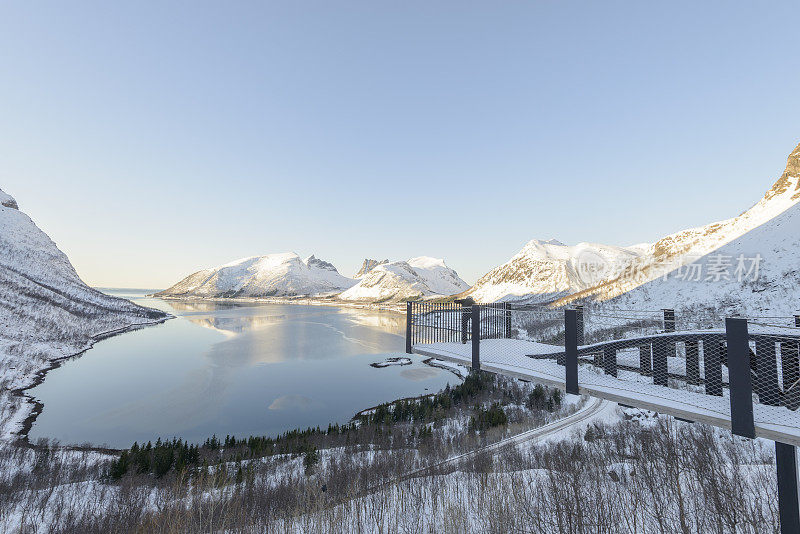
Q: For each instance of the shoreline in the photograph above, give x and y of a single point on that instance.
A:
(303, 301)
(21, 436)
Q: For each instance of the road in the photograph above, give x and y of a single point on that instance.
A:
(593, 408)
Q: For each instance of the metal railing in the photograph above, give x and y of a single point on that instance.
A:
(743, 375)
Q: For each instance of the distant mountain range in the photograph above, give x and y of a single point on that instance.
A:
(273, 275)
(406, 280)
(367, 266)
(543, 271)
(286, 275)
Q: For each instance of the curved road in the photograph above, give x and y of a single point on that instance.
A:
(593, 408)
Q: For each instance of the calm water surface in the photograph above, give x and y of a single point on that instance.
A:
(227, 368)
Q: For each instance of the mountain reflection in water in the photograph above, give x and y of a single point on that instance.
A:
(230, 368)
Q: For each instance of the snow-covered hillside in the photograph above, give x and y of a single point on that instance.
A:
(46, 311)
(546, 270)
(678, 250)
(404, 280)
(273, 275)
(756, 274)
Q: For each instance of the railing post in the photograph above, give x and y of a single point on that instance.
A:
(741, 384)
(646, 360)
(788, 507)
(508, 320)
(669, 320)
(692, 362)
(409, 322)
(797, 321)
(610, 360)
(465, 311)
(767, 372)
(712, 365)
(660, 364)
(571, 350)
(581, 327)
(671, 348)
(476, 337)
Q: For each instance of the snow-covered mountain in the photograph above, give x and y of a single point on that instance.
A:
(546, 270)
(273, 275)
(754, 275)
(367, 266)
(46, 310)
(404, 280)
(770, 217)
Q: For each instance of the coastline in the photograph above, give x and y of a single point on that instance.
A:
(34, 407)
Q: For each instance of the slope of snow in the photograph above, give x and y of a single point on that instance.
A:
(438, 277)
(685, 247)
(405, 280)
(284, 274)
(550, 269)
(769, 286)
(46, 311)
(547, 270)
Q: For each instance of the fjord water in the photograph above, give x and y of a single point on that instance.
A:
(229, 368)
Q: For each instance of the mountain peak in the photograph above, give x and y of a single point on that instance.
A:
(402, 280)
(8, 201)
(282, 274)
(313, 261)
(368, 265)
(789, 178)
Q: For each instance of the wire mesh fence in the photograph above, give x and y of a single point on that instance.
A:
(641, 355)
(774, 347)
(535, 332)
(743, 375)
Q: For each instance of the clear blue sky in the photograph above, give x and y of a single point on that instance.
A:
(153, 139)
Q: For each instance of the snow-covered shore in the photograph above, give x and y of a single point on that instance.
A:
(18, 409)
(47, 314)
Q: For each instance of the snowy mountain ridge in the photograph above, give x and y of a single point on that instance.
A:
(272, 275)
(406, 280)
(550, 269)
(684, 248)
(367, 266)
(756, 274)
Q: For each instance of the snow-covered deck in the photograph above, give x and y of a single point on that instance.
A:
(510, 357)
